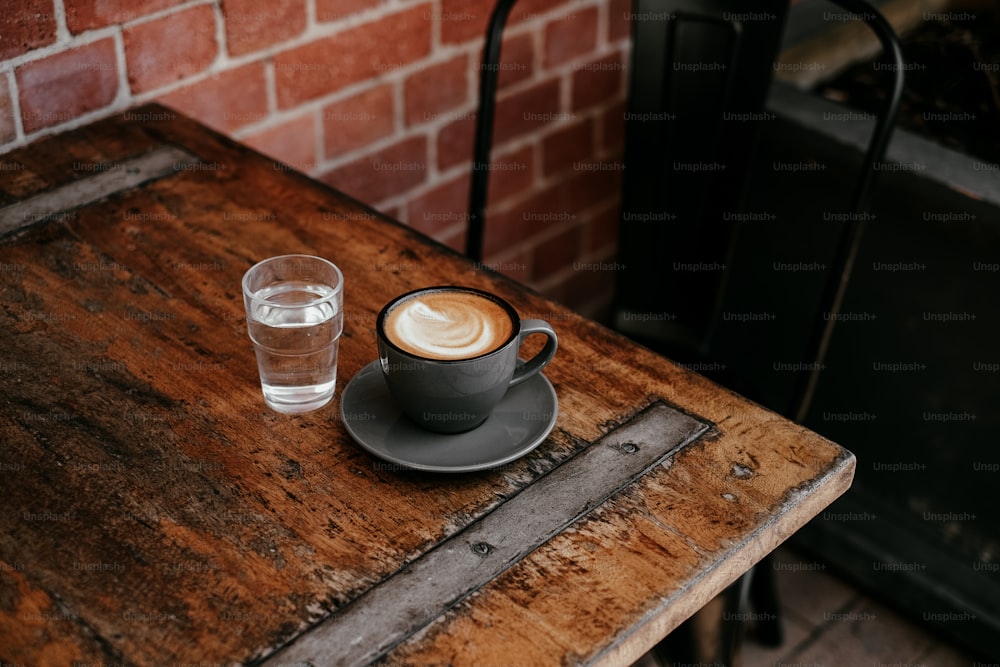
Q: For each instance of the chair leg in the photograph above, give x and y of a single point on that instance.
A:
(713, 636)
(764, 601)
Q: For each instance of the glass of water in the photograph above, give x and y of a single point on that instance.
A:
(294, 306)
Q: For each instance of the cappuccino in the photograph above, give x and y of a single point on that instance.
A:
(448, 324)
(449, 354)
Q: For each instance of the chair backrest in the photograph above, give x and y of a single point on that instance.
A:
(483, 139)
(699, 79)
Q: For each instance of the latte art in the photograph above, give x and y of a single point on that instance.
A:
(449, 324)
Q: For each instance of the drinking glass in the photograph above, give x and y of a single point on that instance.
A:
(294, 308)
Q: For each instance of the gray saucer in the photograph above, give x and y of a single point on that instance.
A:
(521, 421)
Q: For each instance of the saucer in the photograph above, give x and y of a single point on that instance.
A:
(521, 421)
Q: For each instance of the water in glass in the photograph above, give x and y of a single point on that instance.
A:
(296, 341)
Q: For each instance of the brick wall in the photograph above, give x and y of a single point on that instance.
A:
(375, 97)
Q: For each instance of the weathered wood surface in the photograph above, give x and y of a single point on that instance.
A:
(156, 512)
(384, 616)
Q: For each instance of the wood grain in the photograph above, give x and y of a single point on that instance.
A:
(460, 566)
(106, 180)
(156, 512)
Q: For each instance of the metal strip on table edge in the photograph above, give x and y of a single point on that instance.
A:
(400, 606)
(127, 174)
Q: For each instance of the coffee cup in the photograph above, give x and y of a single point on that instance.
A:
(449, 354)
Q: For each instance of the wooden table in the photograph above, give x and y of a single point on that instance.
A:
(155, 512)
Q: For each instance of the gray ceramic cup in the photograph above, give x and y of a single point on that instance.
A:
(457, 395)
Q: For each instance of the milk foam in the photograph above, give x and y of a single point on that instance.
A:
(448, 325)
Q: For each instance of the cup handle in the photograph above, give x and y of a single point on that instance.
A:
(539, 361)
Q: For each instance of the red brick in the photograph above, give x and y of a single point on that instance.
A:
(463, 20)
(602, 229)
(166, 50)
(436, 89)
(466, 20)
(548, 208)
(26, 25)
(225, 101)
(516, 114)
(526, 10)
(557, 253)
(581, 289)
(517, 225)
(454, 239)
(84, 15)
(357, 54)
(335, 10)
(526, 111)
(511, 174)
(386, 173)
(252, 25)
(587, 188)
(517, 61)
(619, 19)
(502, 231)
(8, 131)
(394, 212)
(454, 141)
(613, 128)
(517, 267)
(598, 82)
(292, 142)
(566, 146)
(68, 84)
(358, 121)
(558, 204)
(570, 36)
(441, 208)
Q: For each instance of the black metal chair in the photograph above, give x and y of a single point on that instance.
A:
(713, 120)
(699, 77)
(700, 74)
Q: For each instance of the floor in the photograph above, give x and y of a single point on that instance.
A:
(829, 623)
